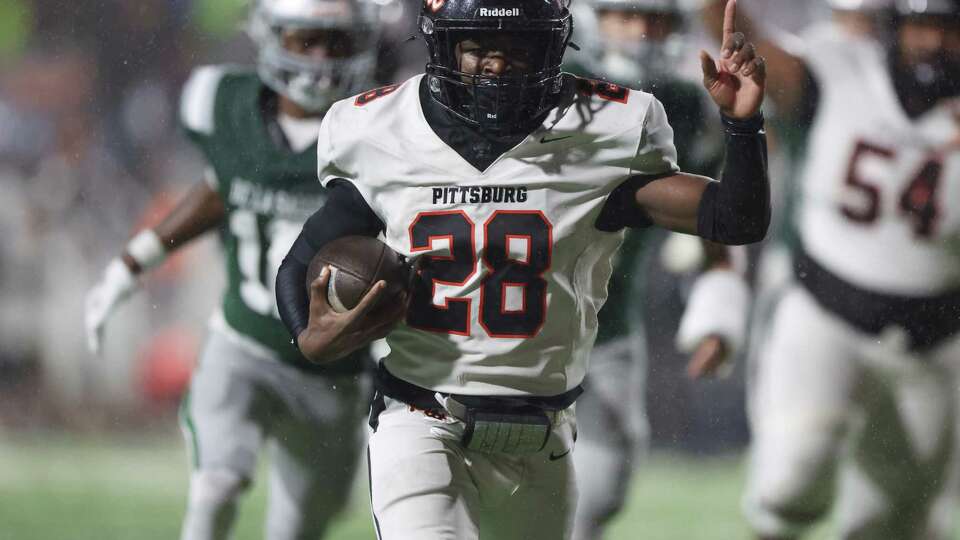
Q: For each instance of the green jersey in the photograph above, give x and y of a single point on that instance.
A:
(698, 153)
(268, 190)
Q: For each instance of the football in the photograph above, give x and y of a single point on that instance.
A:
(356, 264)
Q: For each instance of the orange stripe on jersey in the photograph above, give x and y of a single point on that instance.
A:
(374, 94)
(603, 90)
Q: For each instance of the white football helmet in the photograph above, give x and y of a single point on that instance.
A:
(314, 83)
(860, 5)
(648, 60)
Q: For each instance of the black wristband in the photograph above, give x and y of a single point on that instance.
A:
(744, 126)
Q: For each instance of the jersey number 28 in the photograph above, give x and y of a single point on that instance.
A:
(504, 271)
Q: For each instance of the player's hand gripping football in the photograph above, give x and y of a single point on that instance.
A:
(331, 335)
(737, 80)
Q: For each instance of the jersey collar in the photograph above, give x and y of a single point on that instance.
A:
(468, 146)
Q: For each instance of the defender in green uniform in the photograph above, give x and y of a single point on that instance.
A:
(258, 132)
(640, 44)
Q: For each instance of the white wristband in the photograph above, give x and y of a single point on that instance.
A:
(718, 305)
(147, 249)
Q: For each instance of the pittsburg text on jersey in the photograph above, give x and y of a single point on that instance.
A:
(479, 194)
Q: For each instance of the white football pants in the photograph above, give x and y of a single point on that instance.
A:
(838, 414)
(613, 433)
(312, 424)
(425, 485)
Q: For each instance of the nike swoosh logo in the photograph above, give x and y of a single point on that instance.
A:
(554, 457)
(545, 140)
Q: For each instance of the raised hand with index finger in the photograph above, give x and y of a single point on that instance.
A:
(737, 80)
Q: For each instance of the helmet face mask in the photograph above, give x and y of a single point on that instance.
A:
(528, 38)
(641, 41)
(641, 59)
(289, 33)
(925, 62)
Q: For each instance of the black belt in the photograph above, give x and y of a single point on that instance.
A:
(928, 320)
(422, 398)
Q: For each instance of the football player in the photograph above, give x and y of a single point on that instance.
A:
(849, 20)
(510, 183)
(641, 43)
(854, 399)
(252, 387)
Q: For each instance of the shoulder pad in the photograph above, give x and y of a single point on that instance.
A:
(199, 97)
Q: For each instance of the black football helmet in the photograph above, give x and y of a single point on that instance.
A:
(496, 103)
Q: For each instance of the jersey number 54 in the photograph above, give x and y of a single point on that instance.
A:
(917, 202)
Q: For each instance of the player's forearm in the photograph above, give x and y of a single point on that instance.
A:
(736, 210)
(198, 212)
(732, 212)
(293, 303)
(201, 210)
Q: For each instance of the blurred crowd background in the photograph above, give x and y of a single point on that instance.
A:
(90, 152)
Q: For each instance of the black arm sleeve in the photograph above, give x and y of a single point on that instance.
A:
(737, 210)
(344, 214)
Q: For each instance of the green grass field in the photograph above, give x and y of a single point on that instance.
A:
(66, 488)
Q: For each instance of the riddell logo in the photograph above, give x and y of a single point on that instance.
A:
(500, 12)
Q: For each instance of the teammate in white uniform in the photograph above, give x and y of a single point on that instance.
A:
(855, 397)
(257, 131)
(510, 184)
(642, 43)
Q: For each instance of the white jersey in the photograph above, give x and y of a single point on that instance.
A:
(515, 269)
(880, 190)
